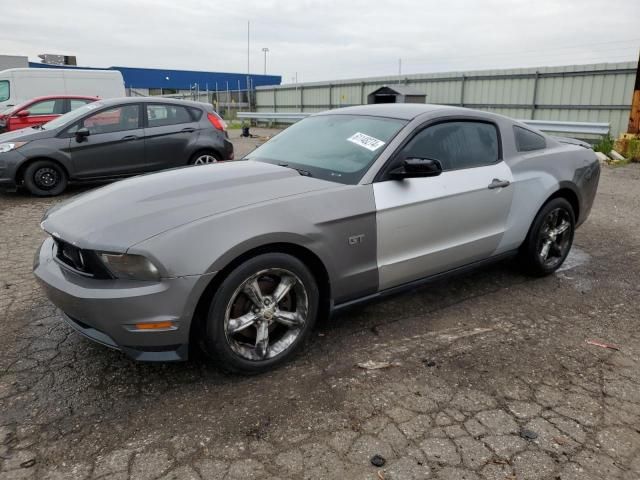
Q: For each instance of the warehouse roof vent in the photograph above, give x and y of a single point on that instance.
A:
(396, 94)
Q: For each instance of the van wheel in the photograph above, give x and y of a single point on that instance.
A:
(549, 239)
(45, 178)
(262, 314)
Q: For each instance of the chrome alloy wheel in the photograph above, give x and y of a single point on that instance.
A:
(266, 314)
(205, 159)
(554, 239)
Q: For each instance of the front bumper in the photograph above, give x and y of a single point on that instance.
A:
(106, 311)
(9, 163)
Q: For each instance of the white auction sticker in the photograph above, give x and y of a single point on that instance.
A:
(370, 143)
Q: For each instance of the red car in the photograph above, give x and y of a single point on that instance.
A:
(40, 110)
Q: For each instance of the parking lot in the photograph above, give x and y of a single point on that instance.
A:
(489, 376)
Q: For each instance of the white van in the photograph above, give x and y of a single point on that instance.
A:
(18, 85)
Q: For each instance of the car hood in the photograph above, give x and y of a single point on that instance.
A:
(116, 217)
(25, 135)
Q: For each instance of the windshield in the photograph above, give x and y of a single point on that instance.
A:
(69, 117)
(4, 90)
(339, 148)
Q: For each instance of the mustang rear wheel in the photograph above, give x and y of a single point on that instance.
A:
(262, 313)
(45, 178)
(550, 238)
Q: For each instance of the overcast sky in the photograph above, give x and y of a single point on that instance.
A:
(324, 39)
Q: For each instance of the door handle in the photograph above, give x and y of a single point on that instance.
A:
(188, 130)
(129, 137)
(497, 183)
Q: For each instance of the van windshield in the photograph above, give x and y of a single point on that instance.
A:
(4, 90)
(69, 117)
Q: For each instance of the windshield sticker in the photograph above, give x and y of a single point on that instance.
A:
(363, 140)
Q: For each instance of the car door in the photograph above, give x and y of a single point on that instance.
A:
(430, 225)
(114, 145)
(170, 128)
(37, 113)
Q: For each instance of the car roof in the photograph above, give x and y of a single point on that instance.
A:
(404, 111)
(121, 100)
(51, 97)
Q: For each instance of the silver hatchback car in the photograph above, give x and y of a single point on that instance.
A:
(345, 206)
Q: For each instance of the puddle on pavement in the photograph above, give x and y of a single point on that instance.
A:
(576, 258)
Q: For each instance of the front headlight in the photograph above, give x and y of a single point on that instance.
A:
(7, 147)
(129, 267)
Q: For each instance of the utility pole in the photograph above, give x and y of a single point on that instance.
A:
(248, 46)
(265, 50)
(248, 64)
(634, 115)
(399, 69)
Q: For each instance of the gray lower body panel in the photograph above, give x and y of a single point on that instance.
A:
(107, 311)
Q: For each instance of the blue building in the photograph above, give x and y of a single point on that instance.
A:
(158, 81)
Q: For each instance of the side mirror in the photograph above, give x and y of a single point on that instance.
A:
(23, 113)
(82, 133)
(417, 167)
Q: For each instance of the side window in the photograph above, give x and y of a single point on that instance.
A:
(458, 144)
(77, 103)
(527, 141)
(4, 90)
(162, 115)
(46, 107)
(196, 114)
(117, 119)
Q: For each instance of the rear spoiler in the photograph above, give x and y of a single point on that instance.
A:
(573, 141)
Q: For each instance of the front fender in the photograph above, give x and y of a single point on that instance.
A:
(320, 222)
(33, 152)
(269, 239)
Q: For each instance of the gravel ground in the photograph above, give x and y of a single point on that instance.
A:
(491, 378)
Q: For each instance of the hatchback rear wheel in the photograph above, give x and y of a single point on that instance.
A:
(262, 313)
(204, 158)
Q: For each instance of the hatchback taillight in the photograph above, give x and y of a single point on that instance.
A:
(217, 122)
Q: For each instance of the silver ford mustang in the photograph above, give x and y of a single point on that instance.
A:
(345, 206)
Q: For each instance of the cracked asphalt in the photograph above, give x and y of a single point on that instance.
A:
(491, 377)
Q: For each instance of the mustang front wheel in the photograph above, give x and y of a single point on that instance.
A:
(262, 313)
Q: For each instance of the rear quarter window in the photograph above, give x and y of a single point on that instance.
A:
(160, 115)
(528, 141)
(196, 114)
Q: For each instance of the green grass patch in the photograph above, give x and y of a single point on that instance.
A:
(605, 145)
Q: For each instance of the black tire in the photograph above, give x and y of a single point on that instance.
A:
(45, 178)
(211, 153)
(240, 352)
(532, 253)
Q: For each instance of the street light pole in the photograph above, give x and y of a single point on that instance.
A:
(248, 46)
(265, 50)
